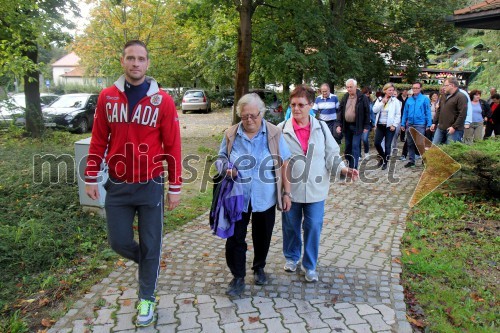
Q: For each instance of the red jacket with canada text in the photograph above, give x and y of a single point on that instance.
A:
(135, 144)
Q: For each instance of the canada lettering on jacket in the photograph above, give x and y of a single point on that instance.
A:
(143, 114)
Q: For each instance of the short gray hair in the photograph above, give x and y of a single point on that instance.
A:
(453, 80)
(353, 82)
(250, 99)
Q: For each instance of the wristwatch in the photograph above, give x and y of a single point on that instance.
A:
(289, 194)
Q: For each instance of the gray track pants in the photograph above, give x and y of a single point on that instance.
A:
(122, 203)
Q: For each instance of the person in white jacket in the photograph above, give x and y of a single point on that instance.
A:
(315, 156)
(387, 110)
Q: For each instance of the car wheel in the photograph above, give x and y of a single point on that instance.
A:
(82, 126)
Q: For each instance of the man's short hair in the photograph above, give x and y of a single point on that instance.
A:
(418, 82)
(453, 80)
(135, 42)
(325, 85)
(354, 82)
(495, 96)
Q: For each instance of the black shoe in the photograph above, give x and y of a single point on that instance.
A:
(236, 287)
(384, 166)
(260, 276)
(409, 165)
(380, 162)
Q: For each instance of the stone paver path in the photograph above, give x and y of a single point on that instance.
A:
(359, 288)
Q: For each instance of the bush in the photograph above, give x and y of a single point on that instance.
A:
(480, 163)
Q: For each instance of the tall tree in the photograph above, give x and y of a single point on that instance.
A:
(27, 26)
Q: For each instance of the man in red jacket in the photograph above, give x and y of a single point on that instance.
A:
(136, 129)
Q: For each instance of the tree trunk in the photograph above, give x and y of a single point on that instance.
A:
(244, 55)
(34, 118)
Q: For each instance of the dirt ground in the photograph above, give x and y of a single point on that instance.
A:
(201, 135)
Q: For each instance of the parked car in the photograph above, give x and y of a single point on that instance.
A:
(227, 98)
(196, 100)
(274, 110)
(173, 93)
(14, 108)
(72, 111)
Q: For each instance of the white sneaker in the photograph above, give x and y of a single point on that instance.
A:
(311, 275)
(402, 158)
(290, 266)
(145, 313)
(417, 157)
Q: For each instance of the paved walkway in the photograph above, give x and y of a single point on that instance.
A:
(359, 288)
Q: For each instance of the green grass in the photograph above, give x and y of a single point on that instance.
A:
(50, 250)
(450, 257)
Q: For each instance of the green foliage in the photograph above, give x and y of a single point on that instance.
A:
(480, 164)
(45, 238)
(450, 251)
(76, 88)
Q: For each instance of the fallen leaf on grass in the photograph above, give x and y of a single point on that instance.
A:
(43, 302)
(252, 320)
(47, 322)
(414, 250)
(416, 322)
(476, 297)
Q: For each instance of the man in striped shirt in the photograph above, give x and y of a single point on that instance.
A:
(326, 107)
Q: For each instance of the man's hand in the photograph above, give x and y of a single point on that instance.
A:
(339, 129)
(433, 127)
(450, 130)
(392, 128)
(465, 126)
(92, 191)
(403, 128)
(173, 200)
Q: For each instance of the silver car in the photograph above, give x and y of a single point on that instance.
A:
(196, 100)
(13, 109)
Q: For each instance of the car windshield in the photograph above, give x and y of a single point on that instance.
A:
(194, 94)
(67, 101)
(19, 100)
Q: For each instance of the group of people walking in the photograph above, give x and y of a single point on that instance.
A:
(285, 167)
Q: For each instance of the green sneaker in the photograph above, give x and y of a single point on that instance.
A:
(145, 313)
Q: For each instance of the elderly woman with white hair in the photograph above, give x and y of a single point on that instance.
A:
(254, 153)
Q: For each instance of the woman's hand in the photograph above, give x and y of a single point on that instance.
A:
(350, 173)
(392, 128)
(232, 173)
(287, 203)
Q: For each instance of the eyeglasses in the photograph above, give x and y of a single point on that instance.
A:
(250, 116)
(300, 105)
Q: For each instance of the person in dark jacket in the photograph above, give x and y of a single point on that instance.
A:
(353, 120)
(493, 122)
(450, 117)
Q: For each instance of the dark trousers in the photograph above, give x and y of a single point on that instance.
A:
(383, 132)
(490, 129)
(123, 202)
(236, 246)
(333, 130)
(352, 145)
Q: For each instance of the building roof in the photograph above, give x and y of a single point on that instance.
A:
(77, 72)
(484, 15)
(69, 60)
